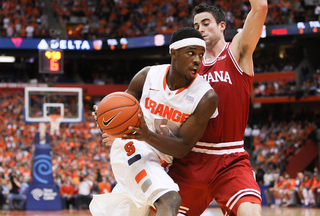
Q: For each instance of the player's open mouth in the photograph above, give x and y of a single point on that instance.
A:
(194, 70)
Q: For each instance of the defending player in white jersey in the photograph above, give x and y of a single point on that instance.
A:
(177, 105)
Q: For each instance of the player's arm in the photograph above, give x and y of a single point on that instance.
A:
(245, 42)
(189, 133)
(136, 85)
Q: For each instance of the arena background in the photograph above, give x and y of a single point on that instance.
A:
(102, 63)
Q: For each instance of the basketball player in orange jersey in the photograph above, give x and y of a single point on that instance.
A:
(218, 167)
(177, 105)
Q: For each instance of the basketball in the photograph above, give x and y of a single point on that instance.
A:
(116, 112)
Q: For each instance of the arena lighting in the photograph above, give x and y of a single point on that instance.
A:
(7, 59)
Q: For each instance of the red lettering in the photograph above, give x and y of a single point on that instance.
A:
(159, 109)
(184, 117)
(176, 116)
(282, 31)
(167, 113)
(147, 103)
(152, 106)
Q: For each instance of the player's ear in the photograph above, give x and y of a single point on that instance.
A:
(173, 53)
(223, 26)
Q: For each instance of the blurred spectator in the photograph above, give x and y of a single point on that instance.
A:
(104, 186)
(259, 175)
(255, 131)
(268, 177)
(3, 183)
(95, 186)
(318, 192)
(278, 190)
(304, 72)
(85, 192)
(313, 190)
(67, 192)
(305, 194)
(16, 200)
(289, 190)
(269, 192)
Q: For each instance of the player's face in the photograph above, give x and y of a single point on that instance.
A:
(206, 24)
(189, 60)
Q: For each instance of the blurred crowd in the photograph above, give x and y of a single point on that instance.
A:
(288, 88)
(94, 19)
(302, 190)
(23, 18)
(272, 144)
(114, 19)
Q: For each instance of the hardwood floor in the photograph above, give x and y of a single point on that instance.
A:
(267, 211)
(273, 211)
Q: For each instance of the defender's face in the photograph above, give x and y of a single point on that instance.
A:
(188, 61)
(207, 25)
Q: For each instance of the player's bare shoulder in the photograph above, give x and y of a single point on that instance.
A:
(142, 74)
(209, 101)
(136, 85)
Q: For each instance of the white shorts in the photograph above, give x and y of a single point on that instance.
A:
(141, 180)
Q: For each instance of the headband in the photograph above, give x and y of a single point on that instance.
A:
(187, 42)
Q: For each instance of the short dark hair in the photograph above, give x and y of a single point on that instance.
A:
(216, 12)
(185, 32)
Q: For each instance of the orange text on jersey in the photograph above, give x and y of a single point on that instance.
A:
(165, 111)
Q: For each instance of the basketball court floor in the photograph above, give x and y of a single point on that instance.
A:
(212, 211)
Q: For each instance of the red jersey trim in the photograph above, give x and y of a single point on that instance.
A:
(205, 63)
(235, 63)
(183, 210)
(219, 148)
(235, 198)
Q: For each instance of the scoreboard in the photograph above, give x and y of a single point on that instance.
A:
(51, 61)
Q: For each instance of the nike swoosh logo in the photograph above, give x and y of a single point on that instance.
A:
(151, 89)
(106, 123)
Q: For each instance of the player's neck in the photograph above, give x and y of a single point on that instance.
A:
(212, 51)
(175, 81)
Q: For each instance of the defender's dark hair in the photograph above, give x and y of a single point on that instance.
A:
(216, 12)
(185, 32)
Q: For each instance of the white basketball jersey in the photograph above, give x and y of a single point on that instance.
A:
(165, 110)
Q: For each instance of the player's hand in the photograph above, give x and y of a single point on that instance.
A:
(94, 114)
(108, 140)
(139, 133)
